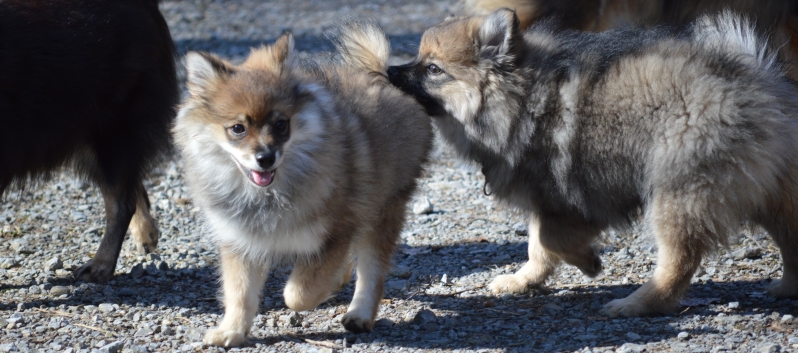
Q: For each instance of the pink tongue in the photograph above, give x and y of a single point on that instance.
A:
(262, 178)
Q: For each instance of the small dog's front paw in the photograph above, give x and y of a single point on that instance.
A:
(94, 271)
(782, 289)
(357, 323)
(222, 338)
(512, 284)
(632, 306)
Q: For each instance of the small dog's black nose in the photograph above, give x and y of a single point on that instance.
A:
(265, 159)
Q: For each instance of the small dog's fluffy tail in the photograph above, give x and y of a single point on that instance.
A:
(362, 44)
(734, 34)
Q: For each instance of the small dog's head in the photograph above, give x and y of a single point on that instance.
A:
(253, 111)
(457, 61)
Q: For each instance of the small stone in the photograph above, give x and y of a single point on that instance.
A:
(552, 307)
(295, 319)
(163, 266)
(422, 206)
(137, 271)
(3, 322)
(106, 308)
(8, 347)
(153, 257)
(384, 322)
(769, 348)
(400, 271)
(787, 318)
(631, 347)
(793, 340)
(445, 279)
(167, 331)
(396, 285)
(144, 330)
(747, 253)
(520, 229)
(423, 317)
(113, 347)
(53, 264)
(270, 322)
(151, 269)
(22, 246)
(683, 335)
(6, 263)
(16, 318)
(59, 290)
(734, 305)
(632, 336)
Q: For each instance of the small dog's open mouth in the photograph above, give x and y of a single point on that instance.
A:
(262, 178)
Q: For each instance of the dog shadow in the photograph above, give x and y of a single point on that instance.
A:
(464, 321)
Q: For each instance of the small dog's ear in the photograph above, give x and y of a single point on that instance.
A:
(204, 70)
(276, 57)
(497, 37)
(283, 49)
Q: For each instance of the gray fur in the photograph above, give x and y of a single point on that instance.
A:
(694, 129)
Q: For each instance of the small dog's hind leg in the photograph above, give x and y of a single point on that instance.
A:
(781, 222)
(120, 205)
(242, 283)
(374, 253)
(143, 227)
(682, 239)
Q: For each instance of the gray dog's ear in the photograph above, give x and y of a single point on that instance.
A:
(497, 37)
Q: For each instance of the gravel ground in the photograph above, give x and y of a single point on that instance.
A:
(436, 299)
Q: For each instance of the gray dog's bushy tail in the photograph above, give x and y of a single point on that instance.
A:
(362, 44)
(734, 34)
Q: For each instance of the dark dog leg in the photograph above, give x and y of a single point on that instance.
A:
(781, 222)
(120, 205)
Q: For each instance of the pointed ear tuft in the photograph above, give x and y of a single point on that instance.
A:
(204, 70)
(497, 35)
(283, 50)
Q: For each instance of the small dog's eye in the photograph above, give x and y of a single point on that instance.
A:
(280, 126)
(238, 129)
(434, 69)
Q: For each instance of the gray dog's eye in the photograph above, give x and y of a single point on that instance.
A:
(434, 69)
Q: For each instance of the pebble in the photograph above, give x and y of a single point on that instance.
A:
(106, 308)
(422, 206)
(683, 335)
(53, 264)
(423, 316)
(59, 290)
(113, 347)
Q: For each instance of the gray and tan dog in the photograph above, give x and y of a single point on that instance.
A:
(693, 129)
(305, 162)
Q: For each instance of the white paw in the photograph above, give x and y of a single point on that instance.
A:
(358, 321)
(509, 284)
(633, 306)
(222, 338)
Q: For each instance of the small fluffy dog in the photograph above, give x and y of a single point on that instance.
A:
(776, 19)
(89, 85)
(308, 162)
(694, 129)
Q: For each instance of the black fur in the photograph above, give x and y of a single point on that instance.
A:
(89, 85)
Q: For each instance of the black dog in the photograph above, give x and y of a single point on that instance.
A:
(89, 85)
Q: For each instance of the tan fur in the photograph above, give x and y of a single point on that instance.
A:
(341, 181)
